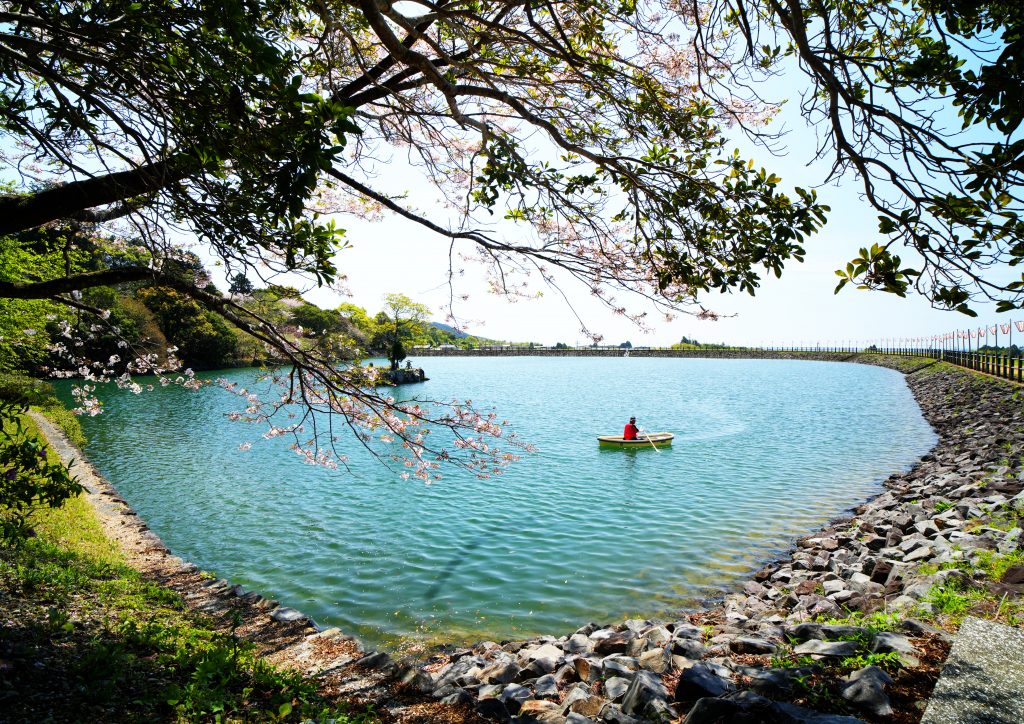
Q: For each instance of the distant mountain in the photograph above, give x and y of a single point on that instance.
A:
(449, 329)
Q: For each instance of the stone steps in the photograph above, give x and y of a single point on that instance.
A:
(982, 681)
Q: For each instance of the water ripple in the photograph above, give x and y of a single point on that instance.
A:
(765, 451)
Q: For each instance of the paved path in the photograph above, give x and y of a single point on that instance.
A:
(983, 679)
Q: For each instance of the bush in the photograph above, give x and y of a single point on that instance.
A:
(39, 394)
(28, 476)
(20, 388)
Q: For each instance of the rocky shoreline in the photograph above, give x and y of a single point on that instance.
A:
(762, 654)
(963, 498)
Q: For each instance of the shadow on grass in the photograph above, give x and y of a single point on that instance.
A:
(87, 640)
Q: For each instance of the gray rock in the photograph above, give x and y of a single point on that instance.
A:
(373, 660)
(616, 643)
(887, 642)
(753, 588)
(752, 645)
(575, 718)
(1010, 542)
(647, 697)
(745, 707)
(514, 695)
(657, 660)
(687, 631)
(740, 708)
(636, 625)
(457, 670)
(700, 681)
(918, 554)
(458, 697)
(826, 648)
(805, 631)
(619, 666)
(416, 679)
(501, 672)
(612, 714)
(658, 635)
(771, 682)
(578, 644)
(287, 615)
(546, 687)
(793, 714)
(689, 648)
(866, 689)
(615, 688)
(547, 651)
(574, 695)
(832, 587)
(824, 632)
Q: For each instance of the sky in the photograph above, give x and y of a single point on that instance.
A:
(395, 255)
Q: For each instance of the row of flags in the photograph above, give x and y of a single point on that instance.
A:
(964, 337)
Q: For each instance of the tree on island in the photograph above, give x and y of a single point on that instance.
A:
(600, 128)
(406, 319)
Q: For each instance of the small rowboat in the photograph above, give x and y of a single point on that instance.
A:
(647, 439)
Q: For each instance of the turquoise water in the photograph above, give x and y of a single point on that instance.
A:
(765, 450)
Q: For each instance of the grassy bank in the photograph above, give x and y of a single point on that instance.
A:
(83, 637)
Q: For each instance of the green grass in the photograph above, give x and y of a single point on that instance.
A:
(888, 661)
(42, 396)
(93, 640)
(951, 600)
(872, 623)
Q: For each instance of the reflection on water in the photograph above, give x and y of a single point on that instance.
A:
(765, 450)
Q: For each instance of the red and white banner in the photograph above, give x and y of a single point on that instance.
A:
(1004, 328)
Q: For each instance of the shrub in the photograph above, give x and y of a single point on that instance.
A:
(28, 476)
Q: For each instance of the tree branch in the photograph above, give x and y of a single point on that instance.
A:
(19, 213)
(52, 287)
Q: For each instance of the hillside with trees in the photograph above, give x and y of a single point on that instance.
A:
(145, 318)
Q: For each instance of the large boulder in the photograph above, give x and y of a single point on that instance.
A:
(647, 697)
(700, 681)
(866, 689)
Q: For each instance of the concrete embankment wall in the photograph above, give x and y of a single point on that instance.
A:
(823, 355)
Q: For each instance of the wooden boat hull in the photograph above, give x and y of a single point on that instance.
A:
(657, 439)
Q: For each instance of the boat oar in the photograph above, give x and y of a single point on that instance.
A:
(645, 434)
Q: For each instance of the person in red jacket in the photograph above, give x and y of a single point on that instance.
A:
(630, 431)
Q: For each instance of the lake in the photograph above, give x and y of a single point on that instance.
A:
(765, 451)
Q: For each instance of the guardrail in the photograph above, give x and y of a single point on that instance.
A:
(1008, 367)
